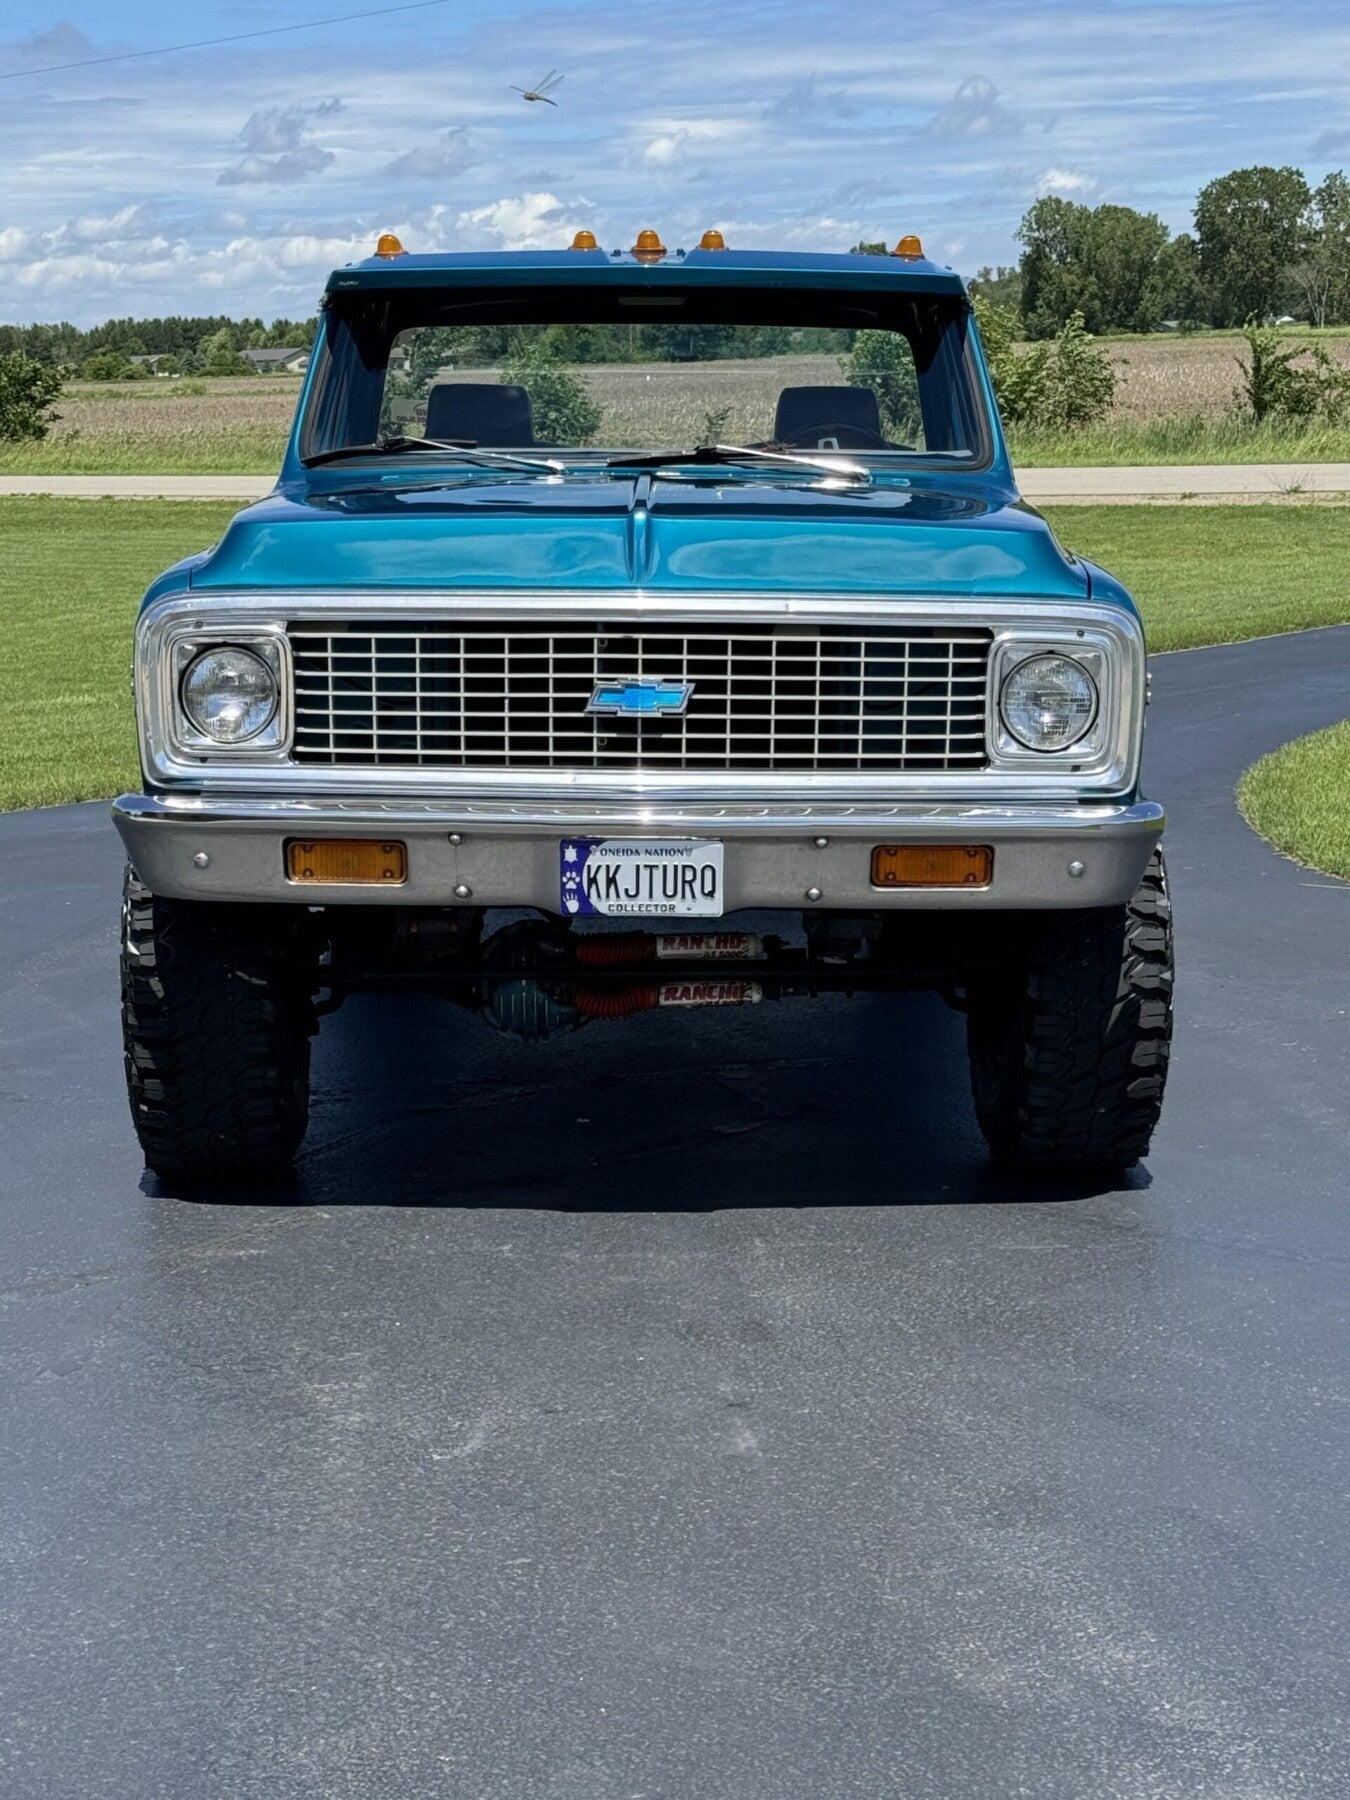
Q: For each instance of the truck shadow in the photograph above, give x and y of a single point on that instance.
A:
(832, 1102)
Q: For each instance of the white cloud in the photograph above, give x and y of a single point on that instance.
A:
(257, 171)
(676, 139)
(274, 129)
(1064, 181)
(63, 43)
(13, 243)
(819, 232)
(534, 221)
(279, 146)
(451, 154)
(973, 111)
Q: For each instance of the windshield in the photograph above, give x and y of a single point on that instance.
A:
(882, 377)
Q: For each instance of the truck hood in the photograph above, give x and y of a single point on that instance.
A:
(609, 531)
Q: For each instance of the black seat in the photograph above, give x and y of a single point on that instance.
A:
(486, 412)
(836, 418)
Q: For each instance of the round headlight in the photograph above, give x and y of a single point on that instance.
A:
(230, 695)
(1048, 702)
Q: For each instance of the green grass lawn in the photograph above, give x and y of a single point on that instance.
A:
(1215, 574)
(249, 450)
(1134, 443)
(71, 575)
(72, 572)
(257, 449)
(1299, 798)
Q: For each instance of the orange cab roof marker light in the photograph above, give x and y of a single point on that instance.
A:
(648, 247)
(909, 247)
(389, 245)
(712, 239)
(584, 240)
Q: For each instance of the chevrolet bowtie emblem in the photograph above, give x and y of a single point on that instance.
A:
(641, 699)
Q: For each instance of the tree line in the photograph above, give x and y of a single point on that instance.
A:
(204, 346)
(1265, 245)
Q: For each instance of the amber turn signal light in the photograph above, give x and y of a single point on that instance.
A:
(909, 247)
(712, 239)
(648, 247)
(367, 861)
(585, 240)
(389, 245)
(932, 865)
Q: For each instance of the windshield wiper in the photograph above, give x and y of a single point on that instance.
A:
(463, 450)
(842, 466)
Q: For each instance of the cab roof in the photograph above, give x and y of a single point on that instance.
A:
(740, 268)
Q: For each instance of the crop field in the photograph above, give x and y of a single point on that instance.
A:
(217, 427)
(1160, 377)
(1174, 403)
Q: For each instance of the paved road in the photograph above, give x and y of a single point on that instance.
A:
(1218, 481)
(684, 1411)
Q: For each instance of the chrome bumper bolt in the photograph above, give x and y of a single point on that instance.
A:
(813, 893)
(1076, 868)
(200, 860)
(456, 837)
(462, 892)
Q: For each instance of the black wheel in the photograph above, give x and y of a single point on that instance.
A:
(216, 1024)
(1068, 1056)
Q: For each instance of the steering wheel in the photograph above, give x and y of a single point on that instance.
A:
(846, 435)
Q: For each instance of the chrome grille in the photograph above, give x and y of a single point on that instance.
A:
(465, 695)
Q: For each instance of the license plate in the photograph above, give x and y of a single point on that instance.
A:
(640, 878)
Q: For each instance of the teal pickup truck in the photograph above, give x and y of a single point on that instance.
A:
(684, 604)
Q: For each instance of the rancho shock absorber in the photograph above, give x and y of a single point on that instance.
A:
(611, 948)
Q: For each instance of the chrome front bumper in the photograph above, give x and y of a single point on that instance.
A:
(1060, 855)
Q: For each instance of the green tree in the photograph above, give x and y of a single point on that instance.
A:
(1251, 230)
(1082, 381)
(432, 348)
(27, 390)
(1298, 381)
(1175, 290)
(883, 361)
(1057, 385)
(1020, 376)
(219, 355)
(106, 365)
(1097, 261)
(1323, 276)
(564, 412)
(1001, 285)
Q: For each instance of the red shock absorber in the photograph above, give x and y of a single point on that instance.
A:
(618, 1002)
(604, 949)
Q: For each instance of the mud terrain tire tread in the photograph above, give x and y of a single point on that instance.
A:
(216, 1026)
(1069, 1072)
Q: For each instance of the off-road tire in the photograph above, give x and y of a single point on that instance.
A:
(216, 1027)
(1068, 1056)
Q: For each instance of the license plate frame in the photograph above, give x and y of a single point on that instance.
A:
(641, 878)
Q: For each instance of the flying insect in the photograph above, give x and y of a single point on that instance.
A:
(541, 89)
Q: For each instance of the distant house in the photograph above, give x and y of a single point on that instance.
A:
(277, 362)
(150, 362)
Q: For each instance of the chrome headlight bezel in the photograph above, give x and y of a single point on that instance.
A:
(172, 733)
(1114, 665)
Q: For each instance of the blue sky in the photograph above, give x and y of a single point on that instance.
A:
(232, 179)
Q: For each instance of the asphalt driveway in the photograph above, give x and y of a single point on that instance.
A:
(683, 1409)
